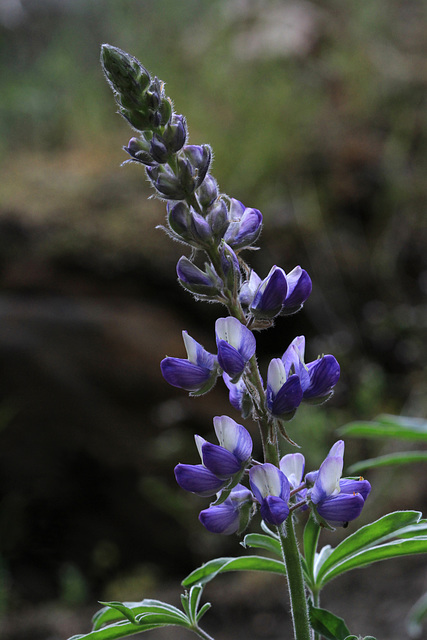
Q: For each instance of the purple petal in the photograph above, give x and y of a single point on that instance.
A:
(184, 374)
(197, 479)
(266, 479)
(324, 374)
(355, 486)
(222, 518)
(274, 510)
(220, 461)
(340, 509)
(287, 398)
(271, 294)
(299, 288)
(230, 359)
(189, 273)
(234, 437)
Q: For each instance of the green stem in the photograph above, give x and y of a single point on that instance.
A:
(295, 579)
(201, 633)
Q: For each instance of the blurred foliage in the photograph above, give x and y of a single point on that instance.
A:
(316, 112)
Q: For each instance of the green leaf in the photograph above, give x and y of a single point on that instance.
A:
(120, 630)
(367, 536)
(110, 614)
(387, 426)
(404, 457)
(416, 616)
(260, 541)
(386, 551)
(121, 608)
(327, 624)
(310, 538)
(208, 571)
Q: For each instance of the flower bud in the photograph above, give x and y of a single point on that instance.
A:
(166, 182)
(244, 225)
(158, 149)
(175, 133)
(205, 283)
(138, 149)
(208, 191)
(217, 217)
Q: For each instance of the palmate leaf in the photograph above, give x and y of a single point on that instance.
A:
(396, 534)
(208, 571)
(261, 541)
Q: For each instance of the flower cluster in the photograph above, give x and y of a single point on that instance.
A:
(218, 228)
(276, 490)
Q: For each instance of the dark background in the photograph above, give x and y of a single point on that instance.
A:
(316, 112)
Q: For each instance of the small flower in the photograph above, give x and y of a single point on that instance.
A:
(201, 283)
(284, 394)
(197, 374)
(236, 346)
(244, 225)
(336, 500)
(233, 452)
(271, 488)
(270, 295)
(230, 516)
(277, 294)
(317, 378)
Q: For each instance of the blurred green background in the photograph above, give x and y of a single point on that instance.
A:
(316, 112)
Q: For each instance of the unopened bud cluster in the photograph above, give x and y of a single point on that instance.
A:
(218, 228)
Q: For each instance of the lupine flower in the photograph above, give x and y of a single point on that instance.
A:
(230, 516)
(292, 465)
(317, 378)
(284, 391)
(271, 488)
(337, 501)
(236, 346)
(244, 225)
(197, 374)
(270, 295)
(233, 452)
(277, 294)
(220, 462)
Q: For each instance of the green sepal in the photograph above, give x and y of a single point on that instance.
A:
(327, 624)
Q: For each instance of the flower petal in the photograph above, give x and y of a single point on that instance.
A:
(184, 374)
(324, 374)
(274, 510)
(287, 399)
(230, 359)
(292, 465)
(220, 461)
(234, 437)
(197, 479)
(266, 479)
(222, 518)
(355, 486)
(340, 509)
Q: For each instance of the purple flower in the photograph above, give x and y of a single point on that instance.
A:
(244, 225)
(284, 394)
(201, 283)
(270, 295)
(220, 462)
(197, 374)
(271, 488)
(233, 452)
(277, 294)
(335, 500)
(317, 378)
(231, 515)
(292, 465)
(236, 346)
